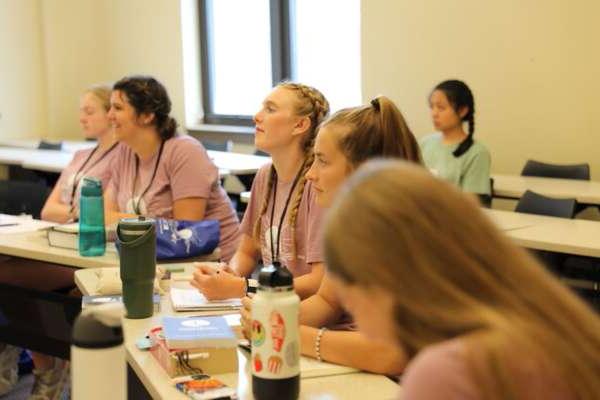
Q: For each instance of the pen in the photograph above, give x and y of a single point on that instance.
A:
(9, 224)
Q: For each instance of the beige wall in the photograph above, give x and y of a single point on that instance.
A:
(22, 70)
(92, 41)
(532, 65)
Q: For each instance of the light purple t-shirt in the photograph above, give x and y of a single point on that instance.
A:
(97, 166)
(184, 170)
(441, 371)
(308, 224)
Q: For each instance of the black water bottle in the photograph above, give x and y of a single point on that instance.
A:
(275, 336)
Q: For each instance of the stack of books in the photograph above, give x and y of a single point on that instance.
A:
(195, 345)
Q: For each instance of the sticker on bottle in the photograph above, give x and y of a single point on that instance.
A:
(277, 330)
(292, 354)
(257, 363)
(258, 333)
(274, 364)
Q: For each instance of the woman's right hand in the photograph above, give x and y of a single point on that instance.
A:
(217, 284)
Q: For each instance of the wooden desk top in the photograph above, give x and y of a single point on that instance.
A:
(346, 384)
(513, 186)
(34, 245)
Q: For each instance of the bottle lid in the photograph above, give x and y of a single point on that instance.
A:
(275, 276)
(91, 187)
(91, 333)
(135, 226)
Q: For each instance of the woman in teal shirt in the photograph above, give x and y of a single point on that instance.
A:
(452, 154)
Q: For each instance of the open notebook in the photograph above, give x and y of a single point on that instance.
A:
(190, 299)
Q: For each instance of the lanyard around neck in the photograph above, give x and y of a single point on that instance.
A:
(275, 254)
(136, 206)
(80, 172)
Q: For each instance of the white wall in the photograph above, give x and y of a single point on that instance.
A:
(22, 70)
(532, 65)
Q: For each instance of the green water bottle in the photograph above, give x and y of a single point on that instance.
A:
(92, 239)
(137, 254)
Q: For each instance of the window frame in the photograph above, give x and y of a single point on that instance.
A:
(281, 57)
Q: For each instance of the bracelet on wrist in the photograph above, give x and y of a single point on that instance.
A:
(318, 343)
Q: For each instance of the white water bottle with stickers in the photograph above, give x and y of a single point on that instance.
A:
(275, 336)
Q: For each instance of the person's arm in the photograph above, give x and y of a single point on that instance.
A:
(352, 349)
(228, 283)
(476, 177)
(308, 284)
(111, 208)
(54, 210)
(189, 209)
(322, 308)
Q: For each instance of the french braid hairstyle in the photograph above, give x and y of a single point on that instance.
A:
(313, 104)
(459, 96)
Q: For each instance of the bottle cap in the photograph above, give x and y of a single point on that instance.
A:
(275, 276)
(91, 187)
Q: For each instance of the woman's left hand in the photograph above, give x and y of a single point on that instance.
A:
(246, 319)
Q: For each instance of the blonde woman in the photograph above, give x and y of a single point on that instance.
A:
(478, 317)
(282, 222)
(52, 374)
(344, 141)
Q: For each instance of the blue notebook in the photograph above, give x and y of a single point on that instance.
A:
(197, 332)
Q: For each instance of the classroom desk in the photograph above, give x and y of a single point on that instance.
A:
(70, 146)
(40, 320)
(346, 384)
(540, 232)
(55, 161)
(513, 187)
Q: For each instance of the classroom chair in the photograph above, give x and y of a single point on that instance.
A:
(217, 146)
(573, 171)
(44, 145)
(534, 203)
(21, 197)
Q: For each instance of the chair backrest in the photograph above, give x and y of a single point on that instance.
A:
(20, 197)
(217, 146)
(534, 203)
(50, 145)
(261, 153)
(573, 171)
(486, 199)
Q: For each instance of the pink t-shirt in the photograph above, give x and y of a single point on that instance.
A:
(441, 371)
(308, 224)
(184, 170)
(97, 166)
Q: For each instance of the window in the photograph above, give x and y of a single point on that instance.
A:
(248, 46)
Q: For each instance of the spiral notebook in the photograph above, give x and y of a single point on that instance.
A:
(190, 299)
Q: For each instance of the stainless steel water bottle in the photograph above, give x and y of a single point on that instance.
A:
(275, 336)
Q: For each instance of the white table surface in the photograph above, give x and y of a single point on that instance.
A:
(513, 186)
(55, 161)
(346, 385)
(70, 146)
(540, 232)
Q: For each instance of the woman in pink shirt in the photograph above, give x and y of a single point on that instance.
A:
(52, 374)
(63, 203)
(478, 317)
(158, 172)
(282, 221)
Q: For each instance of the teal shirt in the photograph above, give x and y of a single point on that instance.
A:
(470, 172)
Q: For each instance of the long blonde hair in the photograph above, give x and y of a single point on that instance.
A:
(452, 273)
(374, 130)
(309, 103)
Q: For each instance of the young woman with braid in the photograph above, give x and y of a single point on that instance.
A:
(282, 221)
(454, 155)
(344, 141)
